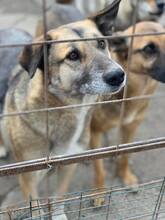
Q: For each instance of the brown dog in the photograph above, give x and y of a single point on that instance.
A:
(77, 73)
(147, 66)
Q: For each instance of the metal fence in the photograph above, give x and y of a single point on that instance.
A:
(120, 203)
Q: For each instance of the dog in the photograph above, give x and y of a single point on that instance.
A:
(57, 15)
(9, 36)
(78, 72)
(148, 10)
(146, 68)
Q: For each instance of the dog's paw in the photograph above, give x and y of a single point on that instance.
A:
(3, 151)
(131, 180)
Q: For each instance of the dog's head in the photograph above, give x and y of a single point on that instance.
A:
(149, 9)
(148, 52)
(83, 67)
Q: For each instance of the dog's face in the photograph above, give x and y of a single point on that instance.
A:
(79, 67)
(148, 52)
(149, 9)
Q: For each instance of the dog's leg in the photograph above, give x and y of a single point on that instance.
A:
(68, 174)
(29, 185)
(3, 149)
(95, 142)
(123, 169)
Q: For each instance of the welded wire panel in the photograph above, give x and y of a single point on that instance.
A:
(144, 202)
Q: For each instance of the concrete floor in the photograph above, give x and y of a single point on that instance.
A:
(147, 165)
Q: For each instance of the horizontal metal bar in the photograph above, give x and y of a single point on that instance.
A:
(82, 39)
(47, 162)
(135, 98)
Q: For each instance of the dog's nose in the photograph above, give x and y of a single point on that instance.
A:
(160, 5)
(114, 78)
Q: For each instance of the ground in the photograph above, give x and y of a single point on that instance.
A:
(147, 165)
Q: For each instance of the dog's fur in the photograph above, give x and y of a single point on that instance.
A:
(57, 15)
(8, 60)
(148, 10)
(146, 67)
(77, 73)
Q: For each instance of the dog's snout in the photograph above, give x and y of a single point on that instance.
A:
(114, 78)
(160, 5)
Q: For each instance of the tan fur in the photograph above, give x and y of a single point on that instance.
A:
(140, 83)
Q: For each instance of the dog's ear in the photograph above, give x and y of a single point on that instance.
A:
(104, 19)
(32, 57)
(119, 45)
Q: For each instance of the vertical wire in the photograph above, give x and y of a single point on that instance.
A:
(9, 215)
(49, 209)
(45, 50)
(80, 206)
(38, 205)
(122, 110)
(108, 209)
(31, 207)
(159, 201)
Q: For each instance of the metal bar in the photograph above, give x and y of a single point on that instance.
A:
(80, 207)
(45, 50)
(31, 207)
(159, 200)
(135, 98)
(82, 39)
(122, 110)
(9, 215)
(42, 163)
(49, 209)
(38, 208)
(108, 209)
(46, 115)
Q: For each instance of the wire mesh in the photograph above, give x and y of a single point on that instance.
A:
(146, 202)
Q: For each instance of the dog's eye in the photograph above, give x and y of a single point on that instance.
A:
(101, 44)
(150, 49)
(74, 55)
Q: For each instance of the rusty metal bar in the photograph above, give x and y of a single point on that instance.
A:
(82, 39)
(44, 163)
